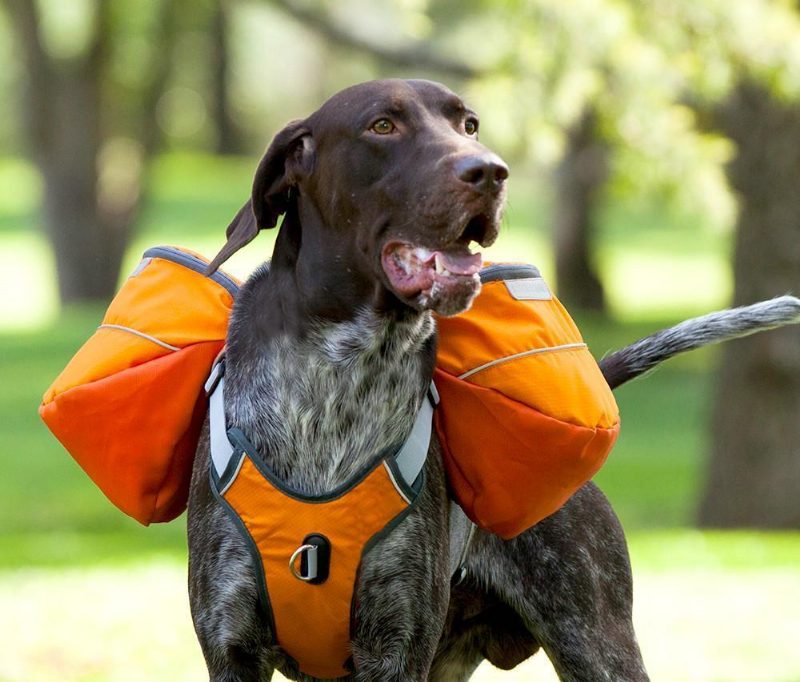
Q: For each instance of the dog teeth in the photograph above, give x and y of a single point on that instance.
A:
(440, 268)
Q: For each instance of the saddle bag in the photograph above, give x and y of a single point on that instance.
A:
(526, 417)
(130, 404)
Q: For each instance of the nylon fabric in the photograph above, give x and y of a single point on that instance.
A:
(522, 434)
(130, 410)
(313, 621)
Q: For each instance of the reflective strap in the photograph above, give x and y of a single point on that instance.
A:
(221, 448)
(411, 457)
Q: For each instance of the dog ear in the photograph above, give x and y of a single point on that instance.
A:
(289, 157)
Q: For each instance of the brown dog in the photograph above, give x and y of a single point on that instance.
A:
(330, 352)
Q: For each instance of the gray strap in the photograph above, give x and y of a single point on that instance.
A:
(221, 448)
(411, 457)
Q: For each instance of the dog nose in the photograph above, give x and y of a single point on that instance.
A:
(486, 171)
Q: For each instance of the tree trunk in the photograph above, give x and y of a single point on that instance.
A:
(579, 179)
(88, 245)
(63, 112)
(228, 138)
(754, 474)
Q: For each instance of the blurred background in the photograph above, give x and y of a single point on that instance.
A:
(655, 174)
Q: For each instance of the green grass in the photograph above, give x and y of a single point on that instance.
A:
(708, 607)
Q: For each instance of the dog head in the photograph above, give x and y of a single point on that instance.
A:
(389, 181)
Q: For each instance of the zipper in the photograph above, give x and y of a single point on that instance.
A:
(175, 255)
(503, 271)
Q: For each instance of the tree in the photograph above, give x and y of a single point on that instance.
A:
(92, 168)
(580, 177)
(419, 55)
(227, 132)
(754, 472)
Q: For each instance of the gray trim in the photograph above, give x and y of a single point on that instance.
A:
(400, 489)
(529, 289)
(533, 351)
(142, 265)
(465, 549)
(231, 473)
(407, 490)
(175, 255)
(142, 335)
(501, 271)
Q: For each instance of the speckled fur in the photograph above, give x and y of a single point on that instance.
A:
(326, 367)
(564, 586)
(303, 401)
(346, 392)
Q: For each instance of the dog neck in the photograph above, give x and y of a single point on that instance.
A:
(320, 395)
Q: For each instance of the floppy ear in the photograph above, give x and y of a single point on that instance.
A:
(289, 156)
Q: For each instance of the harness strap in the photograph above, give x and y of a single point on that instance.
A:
(408, 461)
(221, 448)
(411, 457)
(462, 531)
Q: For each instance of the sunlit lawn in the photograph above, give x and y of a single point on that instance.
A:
(86, 594)
(719, 609)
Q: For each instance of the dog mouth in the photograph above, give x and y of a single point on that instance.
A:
(444, 279)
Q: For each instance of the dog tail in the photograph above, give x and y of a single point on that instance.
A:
(644, 354)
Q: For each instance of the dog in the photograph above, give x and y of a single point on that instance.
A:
(329, 356)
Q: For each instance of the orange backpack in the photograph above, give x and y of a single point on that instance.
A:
(525, 417)
(130, 404)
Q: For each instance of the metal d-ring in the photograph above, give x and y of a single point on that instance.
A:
(312, 563)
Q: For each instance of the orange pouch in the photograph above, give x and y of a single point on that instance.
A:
(526, 417)
(130, 404)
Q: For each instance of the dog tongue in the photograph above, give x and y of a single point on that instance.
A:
(414, 269)
(459, 262)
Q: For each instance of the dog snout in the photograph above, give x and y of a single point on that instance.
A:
(482, 171)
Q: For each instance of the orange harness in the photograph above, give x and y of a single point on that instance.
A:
(309, 548)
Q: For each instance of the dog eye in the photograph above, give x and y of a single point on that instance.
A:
(471, 126)
(383, 126)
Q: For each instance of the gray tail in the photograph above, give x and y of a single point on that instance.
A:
(644, 354)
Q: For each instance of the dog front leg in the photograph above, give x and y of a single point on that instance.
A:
(398, 632)
(237, 665)
(403, 592)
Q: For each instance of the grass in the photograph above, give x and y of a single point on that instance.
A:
(710, 606)
(709, 612)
